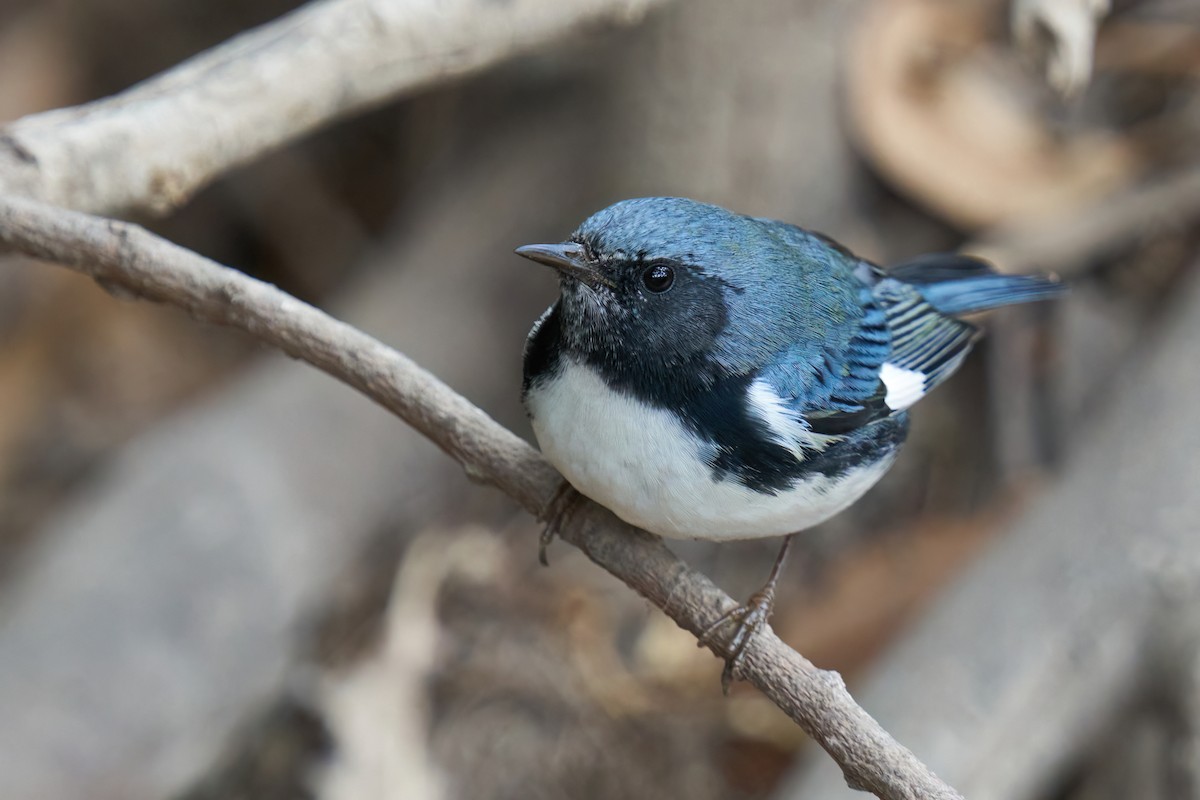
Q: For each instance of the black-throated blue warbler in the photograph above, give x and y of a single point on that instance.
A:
(709, 375)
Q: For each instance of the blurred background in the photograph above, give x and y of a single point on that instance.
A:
(223, 575)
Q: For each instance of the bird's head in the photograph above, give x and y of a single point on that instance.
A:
(662, 283)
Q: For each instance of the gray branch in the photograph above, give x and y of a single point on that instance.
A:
(128, 259)
(153, 146)
(1071, 241)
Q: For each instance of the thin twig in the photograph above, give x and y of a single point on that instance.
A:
(153, 146)
(127, 258)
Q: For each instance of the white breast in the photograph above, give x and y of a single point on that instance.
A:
(649, 469)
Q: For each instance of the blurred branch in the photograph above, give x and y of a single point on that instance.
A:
(1178, 689)
(153, 146)
(1062, 34)
(382, 745)
(127, 259)
(1068, 243)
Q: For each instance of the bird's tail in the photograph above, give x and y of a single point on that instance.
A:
(957, 284)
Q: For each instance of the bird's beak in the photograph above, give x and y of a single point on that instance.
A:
(569, 259)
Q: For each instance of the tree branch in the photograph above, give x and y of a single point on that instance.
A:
(129, 260)
(151, 147)
(1071, 241)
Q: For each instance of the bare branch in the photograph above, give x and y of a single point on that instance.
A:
(154, 145)
(128, 258)
(1069, 242)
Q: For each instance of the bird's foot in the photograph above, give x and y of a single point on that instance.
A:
(750, 619)
(557, 511)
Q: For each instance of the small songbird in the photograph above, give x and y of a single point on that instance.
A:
(709, 375)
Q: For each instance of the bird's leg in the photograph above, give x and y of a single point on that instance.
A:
(556, 512)
(750, 618)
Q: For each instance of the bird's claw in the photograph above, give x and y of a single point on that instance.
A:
(547, 536)
(750, 618)
(555, 513)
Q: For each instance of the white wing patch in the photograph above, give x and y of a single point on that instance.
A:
(904, 386)
(790, 429)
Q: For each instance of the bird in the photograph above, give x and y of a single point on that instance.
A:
(711, 375)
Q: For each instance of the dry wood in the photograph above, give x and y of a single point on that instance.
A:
(153, 146)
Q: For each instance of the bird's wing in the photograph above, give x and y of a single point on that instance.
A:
(923, 298)
(905, 342)
(926, 345)
(899, 349)
(834, 388)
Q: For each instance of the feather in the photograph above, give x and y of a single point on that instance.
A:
(958, 284)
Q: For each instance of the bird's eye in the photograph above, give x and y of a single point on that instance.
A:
(658, 278)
